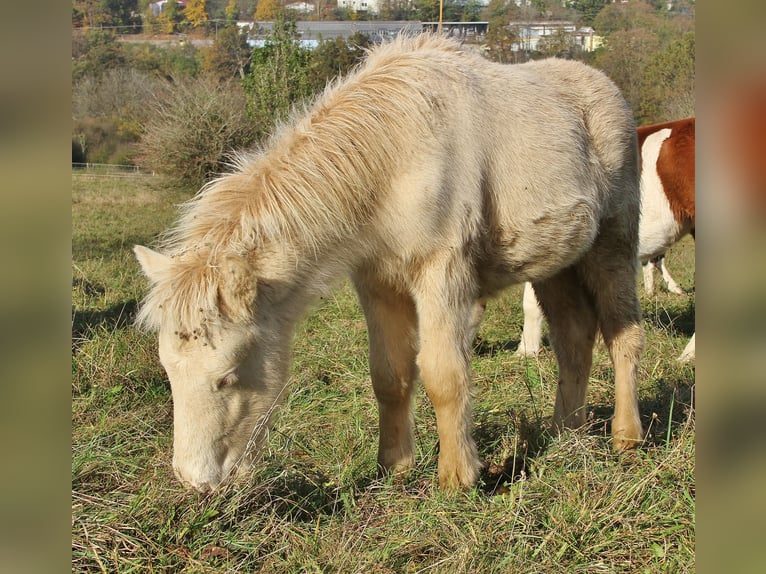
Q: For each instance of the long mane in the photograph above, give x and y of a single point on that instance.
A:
(317, 179)
(323, 171)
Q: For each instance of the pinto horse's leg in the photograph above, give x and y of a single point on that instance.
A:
(673, 287)
(392, 329)
(572, 325)
(447, 317)
(648, 270)
(688, 354)
(532, 332)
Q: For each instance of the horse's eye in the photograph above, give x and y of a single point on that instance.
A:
(226, 381)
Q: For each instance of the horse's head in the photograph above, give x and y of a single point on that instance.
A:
(226, 364)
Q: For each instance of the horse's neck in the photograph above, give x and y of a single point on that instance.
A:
(297, 278)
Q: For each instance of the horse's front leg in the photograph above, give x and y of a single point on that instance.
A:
(392, 328)
(446, 321)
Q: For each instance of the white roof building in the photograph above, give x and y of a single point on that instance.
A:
(371, 6)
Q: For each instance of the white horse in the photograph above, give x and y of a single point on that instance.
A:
(667, 216)
(435, 179)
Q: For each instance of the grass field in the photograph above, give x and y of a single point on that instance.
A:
(544, 504)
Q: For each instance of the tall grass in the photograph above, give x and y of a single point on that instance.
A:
(543, 504)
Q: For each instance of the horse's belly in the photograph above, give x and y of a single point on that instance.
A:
(547, 244)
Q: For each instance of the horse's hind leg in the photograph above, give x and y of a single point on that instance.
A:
(610, 272)
(392, 329)
(673, 287)
(572, 325)
(648, 270)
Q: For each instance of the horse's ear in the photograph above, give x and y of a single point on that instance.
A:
(236, 288)
(153, 264)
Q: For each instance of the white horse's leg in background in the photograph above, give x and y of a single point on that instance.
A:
(688, 355)
(532, 332)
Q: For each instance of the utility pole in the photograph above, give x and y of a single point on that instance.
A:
(441, 15)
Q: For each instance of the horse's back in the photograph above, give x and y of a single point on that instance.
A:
(520, 163)
(562, 160)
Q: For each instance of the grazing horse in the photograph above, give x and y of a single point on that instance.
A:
(667, 215)
(434, 178)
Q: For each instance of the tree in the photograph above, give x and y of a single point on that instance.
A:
(500, 38)
(667, 90)
(625, 17)
(555, 9)
(195, 13)
(471, 9)
(267, 10)
(624, 58)
(121, 12)
(426, 10)
(559, 44)
(395, 9)
(587, 9)
(336, 58)
(279, 75)
(231, 11)
(169, 17)
(89, 13)
(229, 57)
(98, 52)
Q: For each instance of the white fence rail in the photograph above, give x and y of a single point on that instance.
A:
(108, 170)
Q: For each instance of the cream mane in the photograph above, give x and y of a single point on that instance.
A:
(316, 181)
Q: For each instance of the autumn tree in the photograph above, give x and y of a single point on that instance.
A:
(231, 11)
(267, 10)
(559, 44)
(92, 13)
(626, 17)
(97, 52)
(639, 41)
(195, 13)
(169, 18)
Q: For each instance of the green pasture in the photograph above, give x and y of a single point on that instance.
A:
(314, 504)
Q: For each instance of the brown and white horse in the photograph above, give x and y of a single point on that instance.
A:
(667, 215)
